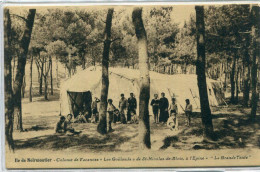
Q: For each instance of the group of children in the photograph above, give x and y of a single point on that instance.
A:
(167, 113)
(163, 112)
(172, 121)
(65, 125)
(125, 113)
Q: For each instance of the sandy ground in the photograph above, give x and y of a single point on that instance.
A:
(235, 136)
(231, 126)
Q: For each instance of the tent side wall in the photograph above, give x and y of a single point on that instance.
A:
(127, 81)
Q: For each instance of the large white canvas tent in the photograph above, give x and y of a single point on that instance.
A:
(83, 86)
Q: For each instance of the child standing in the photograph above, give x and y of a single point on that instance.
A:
(188, 111)
(172, 122)
(155, 104)
(110, 110)
(94, 108)
(116, 115)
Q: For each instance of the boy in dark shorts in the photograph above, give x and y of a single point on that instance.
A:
(155, 105)
(110, 110)
(116, 116)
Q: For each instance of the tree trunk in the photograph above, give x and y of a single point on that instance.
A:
(201, 77)
(226, 73)
(57, 72)
(45, 88)
(23, 86)
(45, 77)
(144, 123)
(83, 62)
(246, 76)
(232, 79)
(246, 89)
(31, 73)
(38, 70)
(18, 111)
(41, 78)
(13, 68)
(237, 85)
(24, 44)
(93, 57)
(9, 109)
(255, 60)
(40, 66)
(70, 64)
(184, 69)
(50, 61)
(240, 77)
(102, 126)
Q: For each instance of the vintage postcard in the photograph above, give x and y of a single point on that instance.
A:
(131, 86)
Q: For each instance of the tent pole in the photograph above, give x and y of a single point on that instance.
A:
(194, 99)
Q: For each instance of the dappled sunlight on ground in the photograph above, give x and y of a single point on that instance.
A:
(232, 129)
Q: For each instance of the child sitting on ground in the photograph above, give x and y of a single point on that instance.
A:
(80, 118)
(171, 122)
(65, 125)
(60, 125)
(134, 118)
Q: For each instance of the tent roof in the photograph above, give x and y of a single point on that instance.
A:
(89, 79)
(123, 80)
(83, 81)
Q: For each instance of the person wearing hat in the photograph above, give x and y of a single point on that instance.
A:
(188, 111)
(163, 105)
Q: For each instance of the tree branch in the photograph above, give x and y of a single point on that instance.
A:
(40, 59)
(103, 21)
(24, 19)
(213, 34)
(37, 63)
(249, 32)
(116, 39)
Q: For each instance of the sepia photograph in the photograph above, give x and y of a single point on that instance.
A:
(127, 86)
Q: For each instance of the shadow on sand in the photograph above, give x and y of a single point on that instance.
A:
(231, 132)
(91, 141)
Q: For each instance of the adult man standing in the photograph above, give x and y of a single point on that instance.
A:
(123, 108)
(131, 106)
(164, 104)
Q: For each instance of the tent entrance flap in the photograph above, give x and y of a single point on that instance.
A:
(80, 102)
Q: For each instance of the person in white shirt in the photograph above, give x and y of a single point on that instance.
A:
(110, 110)
(188, 111)
(80, 118)
(123, 108)
(172, 121)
